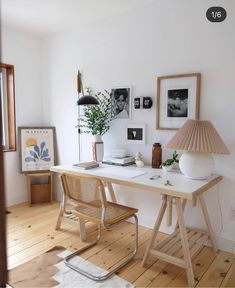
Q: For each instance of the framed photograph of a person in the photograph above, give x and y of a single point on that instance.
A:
(121, 102)
(178, 99)
(135, 133)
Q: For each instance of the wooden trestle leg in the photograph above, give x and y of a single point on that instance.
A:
(155, 230)
(208, 222)
(186, 262)
(184, 241)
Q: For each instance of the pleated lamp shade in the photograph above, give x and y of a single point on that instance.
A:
(198, 136)
(199, 139)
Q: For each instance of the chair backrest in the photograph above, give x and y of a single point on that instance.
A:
(86, 190)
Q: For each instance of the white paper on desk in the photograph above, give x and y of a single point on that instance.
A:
(121, 171)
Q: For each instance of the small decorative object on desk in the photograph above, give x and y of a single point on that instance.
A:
(86, 165)
(139, 160)
(156, 155)
(168, 164)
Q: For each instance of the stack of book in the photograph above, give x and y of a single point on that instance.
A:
(125, 161)
(86, 165)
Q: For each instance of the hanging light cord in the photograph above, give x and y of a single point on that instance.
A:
(221, 224)
(79, 83)
(79, 90)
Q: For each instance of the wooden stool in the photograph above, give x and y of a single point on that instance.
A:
(39, 192)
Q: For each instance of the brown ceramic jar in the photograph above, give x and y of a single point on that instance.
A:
(156, 155)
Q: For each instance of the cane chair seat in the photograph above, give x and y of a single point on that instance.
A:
(91, 205)
(114, 213)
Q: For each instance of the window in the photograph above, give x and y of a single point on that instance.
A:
(8, 107)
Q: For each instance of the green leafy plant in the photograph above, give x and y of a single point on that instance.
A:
(96, 118)
(171, 161)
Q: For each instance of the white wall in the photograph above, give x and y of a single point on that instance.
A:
(24, 52)
(166, 37)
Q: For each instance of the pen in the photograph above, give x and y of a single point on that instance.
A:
(154, 177)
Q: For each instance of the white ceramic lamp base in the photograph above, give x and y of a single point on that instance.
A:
(196, 165)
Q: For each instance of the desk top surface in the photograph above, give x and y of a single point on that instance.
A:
(146, 178)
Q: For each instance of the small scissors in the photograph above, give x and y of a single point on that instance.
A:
(168, 183)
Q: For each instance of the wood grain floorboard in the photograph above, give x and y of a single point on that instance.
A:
(30, 232)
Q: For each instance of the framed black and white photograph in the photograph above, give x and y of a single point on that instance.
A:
(135, 133)
(37, 148)
(177, 103)
(121, 103)
(178, 99)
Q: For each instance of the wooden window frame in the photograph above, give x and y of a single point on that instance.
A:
(3, 249)
(10, 88)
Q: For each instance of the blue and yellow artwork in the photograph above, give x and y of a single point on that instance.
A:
(37, 151)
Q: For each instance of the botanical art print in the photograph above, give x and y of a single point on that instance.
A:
(37, 148)
(37, 151)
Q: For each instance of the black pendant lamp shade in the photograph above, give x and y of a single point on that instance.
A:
(87, 100)
(84, 99)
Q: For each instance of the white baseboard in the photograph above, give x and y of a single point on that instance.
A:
(226, 244)
(149, 223)
(23, 198)
(16, 200)
(223, 244)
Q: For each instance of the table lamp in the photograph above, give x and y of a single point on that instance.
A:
(199, 139)
(85, 99)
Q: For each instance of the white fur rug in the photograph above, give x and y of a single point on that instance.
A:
(69, 278)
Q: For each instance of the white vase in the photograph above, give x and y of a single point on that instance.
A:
(98, 148)
(167, 168)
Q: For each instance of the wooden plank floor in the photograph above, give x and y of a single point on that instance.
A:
(30, 232)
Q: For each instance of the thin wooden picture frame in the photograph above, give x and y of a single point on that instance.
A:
(36, 149)
(178, 99)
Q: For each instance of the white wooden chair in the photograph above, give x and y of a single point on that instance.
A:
(93, 206)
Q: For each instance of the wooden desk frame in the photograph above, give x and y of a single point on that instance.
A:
(189, 240)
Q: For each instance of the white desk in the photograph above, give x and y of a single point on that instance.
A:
(178, 192)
